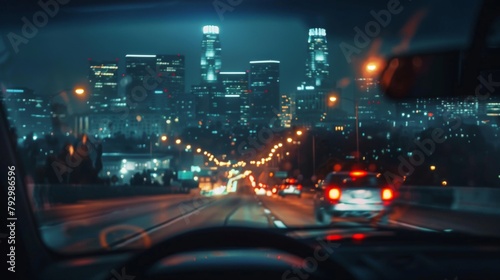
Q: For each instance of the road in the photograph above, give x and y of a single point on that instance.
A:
(142, 221)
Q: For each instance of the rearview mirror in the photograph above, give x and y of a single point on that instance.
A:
(422, 75)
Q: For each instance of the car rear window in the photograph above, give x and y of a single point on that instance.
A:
(350, 181)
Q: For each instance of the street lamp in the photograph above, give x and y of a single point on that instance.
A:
(79, 91)
(371, 67)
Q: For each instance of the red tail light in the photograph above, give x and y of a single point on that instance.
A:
(299, 187)
(387, 194)
(334, 194)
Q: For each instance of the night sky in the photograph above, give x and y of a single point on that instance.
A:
(56, 58)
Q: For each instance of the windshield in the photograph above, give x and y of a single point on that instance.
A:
(346, 180)
(136, 121)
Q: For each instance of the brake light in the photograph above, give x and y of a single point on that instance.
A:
(358, 236)
(334, 194)
(299, 187)
(357, 173)
(387, 194)
(334, 237)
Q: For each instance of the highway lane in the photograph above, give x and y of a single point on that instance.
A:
(142, 221)
(93, 225)
(53, 214)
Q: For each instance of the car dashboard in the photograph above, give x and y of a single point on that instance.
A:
(376, 255)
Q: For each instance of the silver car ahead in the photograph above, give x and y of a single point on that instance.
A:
(353, 194)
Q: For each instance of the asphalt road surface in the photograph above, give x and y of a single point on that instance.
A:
(142, 221)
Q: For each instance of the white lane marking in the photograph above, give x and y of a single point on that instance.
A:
(412, 226)
(150, 231)
(267, 211)
(279, 224)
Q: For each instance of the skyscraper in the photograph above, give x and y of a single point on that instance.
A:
(210, 54)
(27, 112)
(103, 84)
(234, 101)
(264, 91)
(171, 69)
(140, 69)
(171, 78)
(310, 99)
(156, 81)
(317, 66)
(286, 111)
(209, 92)
(371, 103)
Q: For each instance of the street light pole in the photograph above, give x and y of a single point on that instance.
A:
(356, 109)
(314, 154)
(151, 148)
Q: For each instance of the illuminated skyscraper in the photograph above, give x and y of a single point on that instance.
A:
(156, 81)
(141, 72)
(210, 54)
(317, 67)
(371, 103)
(264, 91)
(286, 111)
(27, 112)
(171, 79)
(235, 102)
(171, 71)
(103, 84)
(310, 99)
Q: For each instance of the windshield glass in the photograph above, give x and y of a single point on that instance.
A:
(136, 121)
(345, 180)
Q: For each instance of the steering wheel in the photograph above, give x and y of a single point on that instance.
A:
(220, 238)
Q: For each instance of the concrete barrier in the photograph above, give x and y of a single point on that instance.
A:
(477, 200)
(469, 199)
(437, 197)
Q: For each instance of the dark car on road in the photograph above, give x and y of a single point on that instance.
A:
(358, 194)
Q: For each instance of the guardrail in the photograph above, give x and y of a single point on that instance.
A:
(470, 199)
